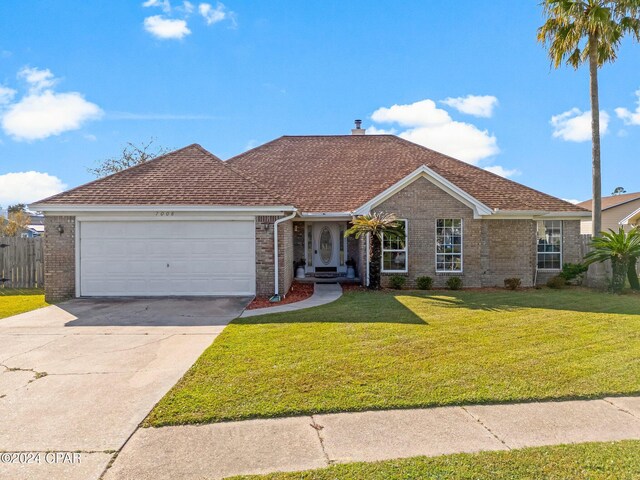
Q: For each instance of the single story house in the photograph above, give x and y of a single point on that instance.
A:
(188, 223)
(617, 210)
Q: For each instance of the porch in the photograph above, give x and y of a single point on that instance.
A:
(324, 254)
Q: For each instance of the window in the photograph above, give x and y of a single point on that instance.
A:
(550, 245)
(309, 258)
(449, 245)
(342, 242)
(394, 250)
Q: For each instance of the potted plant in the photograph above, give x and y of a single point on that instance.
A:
(351, 268)
(299, 268)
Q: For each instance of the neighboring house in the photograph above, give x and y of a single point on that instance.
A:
(36, 224)
(188, 223)
(615, 209)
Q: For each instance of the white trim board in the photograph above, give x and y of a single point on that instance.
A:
(625, 220)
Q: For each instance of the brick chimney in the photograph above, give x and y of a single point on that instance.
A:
(358, 130)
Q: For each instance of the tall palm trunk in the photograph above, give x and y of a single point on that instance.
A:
(632, 274)
(596, 207)
(375, 259)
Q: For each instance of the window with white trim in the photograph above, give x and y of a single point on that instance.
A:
(449, 245)
(549, 245)
(394, 251)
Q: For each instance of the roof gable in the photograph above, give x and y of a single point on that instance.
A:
(478, 207)
(188, 176)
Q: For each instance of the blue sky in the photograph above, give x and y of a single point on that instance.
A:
(80, 79)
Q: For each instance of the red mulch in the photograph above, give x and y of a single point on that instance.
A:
(297, 292)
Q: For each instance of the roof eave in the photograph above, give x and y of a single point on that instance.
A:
(44, 207)
(540, 214)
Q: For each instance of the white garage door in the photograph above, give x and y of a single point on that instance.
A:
(147, 258)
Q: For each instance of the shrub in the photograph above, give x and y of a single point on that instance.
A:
(454, 283)
(397, 282)
(512, 283)
(556, 282)
(424, 283)
(573, 271)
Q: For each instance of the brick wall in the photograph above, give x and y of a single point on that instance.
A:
(421, 203)
(492, 249)
(265, 269)
(59, 258)
(509, 250)
(285, 255)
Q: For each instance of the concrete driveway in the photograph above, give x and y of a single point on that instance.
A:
(82, 375)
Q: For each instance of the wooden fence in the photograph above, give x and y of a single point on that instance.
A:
(21, 262)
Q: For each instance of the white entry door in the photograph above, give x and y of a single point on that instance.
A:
(326, 245)
(158, 258)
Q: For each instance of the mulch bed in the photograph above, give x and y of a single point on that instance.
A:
(297, 293)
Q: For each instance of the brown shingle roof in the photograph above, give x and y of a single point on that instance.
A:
(612, 201)
(341, 173)
(188, 176)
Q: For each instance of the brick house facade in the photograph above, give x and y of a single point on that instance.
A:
(229, 212)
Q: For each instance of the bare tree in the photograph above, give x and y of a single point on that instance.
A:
(131, 156)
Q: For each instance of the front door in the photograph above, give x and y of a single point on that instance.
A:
(326, 245)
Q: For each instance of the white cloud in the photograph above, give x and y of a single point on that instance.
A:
(166, 28)
(164, 4)
(212, 15)
(6, 94)
(571, 200)
(432, 127)
(187, 6)
(41, 115)
(629, 117)
(503, 172)
(37, 79)
(575, 125)
(372, 130)
(476, 105)
(27, 187)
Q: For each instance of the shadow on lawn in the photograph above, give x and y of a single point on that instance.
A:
(570, 299)
(361, 307)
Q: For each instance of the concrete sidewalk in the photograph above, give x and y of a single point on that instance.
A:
(299, 443)
(323, 293)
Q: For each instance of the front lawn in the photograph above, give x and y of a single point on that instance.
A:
(414, 349)
(611, 461)
(20, 300)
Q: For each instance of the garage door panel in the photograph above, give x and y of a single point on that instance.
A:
(167, 258)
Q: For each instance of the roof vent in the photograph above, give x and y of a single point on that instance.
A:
(358, 130)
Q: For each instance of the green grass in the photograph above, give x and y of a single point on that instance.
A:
(413, 349)
(20, 300)
(611, 461)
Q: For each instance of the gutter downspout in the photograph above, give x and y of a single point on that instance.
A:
(276, 295)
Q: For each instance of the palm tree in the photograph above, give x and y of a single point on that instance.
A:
(376, 225)
(577, 31)
(621, 248)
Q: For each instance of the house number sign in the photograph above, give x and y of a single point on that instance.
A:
(164, 214)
